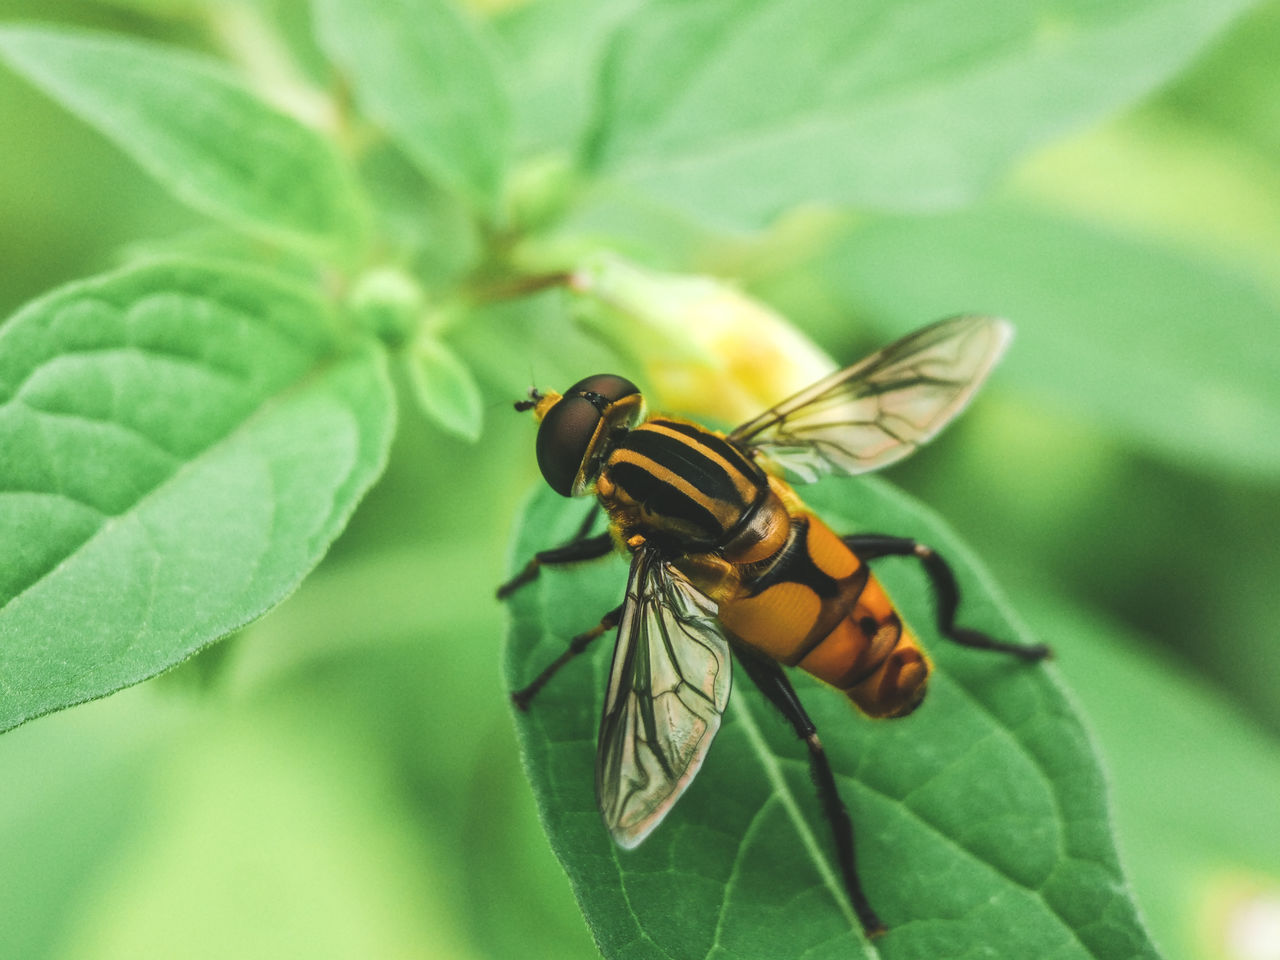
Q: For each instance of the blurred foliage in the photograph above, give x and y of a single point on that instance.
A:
(341, 777)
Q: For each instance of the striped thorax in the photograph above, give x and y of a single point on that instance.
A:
(680, 485)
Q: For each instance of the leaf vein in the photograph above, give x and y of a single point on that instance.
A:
(267, 403)
(119, 425)
(744, 841)
(786, 797)
(204, 364)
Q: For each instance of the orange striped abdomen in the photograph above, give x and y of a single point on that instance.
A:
(817, 606)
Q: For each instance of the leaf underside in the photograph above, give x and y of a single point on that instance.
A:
(1088, 302)
(738, 109)
(191, 124)
(981, 820)
(419, 70)
(180, 444)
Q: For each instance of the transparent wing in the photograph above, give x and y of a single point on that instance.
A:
(667, 689)
(877, 411)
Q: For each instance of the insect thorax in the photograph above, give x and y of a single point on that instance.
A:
(681, 485)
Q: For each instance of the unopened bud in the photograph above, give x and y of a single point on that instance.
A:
(702, 345)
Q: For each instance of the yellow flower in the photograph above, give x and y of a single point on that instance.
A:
(701, 345)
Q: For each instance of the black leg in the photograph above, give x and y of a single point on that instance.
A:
(579, 643)
(869, 546)
(581, 547)
(773, 683)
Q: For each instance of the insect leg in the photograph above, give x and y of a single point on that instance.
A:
(580, 547)
(946, 592)
(773, 683)
(579, 643)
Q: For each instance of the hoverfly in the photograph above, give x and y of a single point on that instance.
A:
(726, 558)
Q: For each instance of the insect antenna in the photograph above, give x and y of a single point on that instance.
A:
(523, 405)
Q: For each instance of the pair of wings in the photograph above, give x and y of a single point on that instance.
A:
(669, 683)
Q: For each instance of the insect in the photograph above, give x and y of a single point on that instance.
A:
(727, 561)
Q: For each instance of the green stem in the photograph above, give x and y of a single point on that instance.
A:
(521, 286)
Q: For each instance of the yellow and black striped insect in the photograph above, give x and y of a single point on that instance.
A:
(726, 558)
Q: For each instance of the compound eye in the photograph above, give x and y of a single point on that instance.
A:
(563, 439)
(607, 385)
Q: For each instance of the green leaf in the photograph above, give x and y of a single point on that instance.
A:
(181, 443)
(739, 109)
(1206, 834)
(445, 388)
(982, 819)
(1232, 88)
(1156, 175)
(1175, 354)
(77, 813)
(550, 56)
(387, 302)
(158, 8)
(190, 124)
(421, 71)
(268, 805)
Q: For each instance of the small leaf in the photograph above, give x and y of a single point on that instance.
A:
(421, 71)
(981, 820)
(181, 444)
(445, 388)
(739, 109)
(190, 124)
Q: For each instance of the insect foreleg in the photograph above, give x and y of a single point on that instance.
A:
(580, 547)
(773, 683)
(579, 643)
(870, 546)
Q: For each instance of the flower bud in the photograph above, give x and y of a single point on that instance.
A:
(700, 344)
(388, 303)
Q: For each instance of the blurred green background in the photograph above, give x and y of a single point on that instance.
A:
(341, 779)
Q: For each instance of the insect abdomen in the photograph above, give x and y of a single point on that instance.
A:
(820, 608)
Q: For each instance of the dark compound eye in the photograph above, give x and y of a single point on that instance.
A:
(569, 429)
(607, 385)
(563, 439)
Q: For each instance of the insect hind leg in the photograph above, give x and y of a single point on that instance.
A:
(577, 645)
(773, 683)
(870, 546)
(581, 547)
